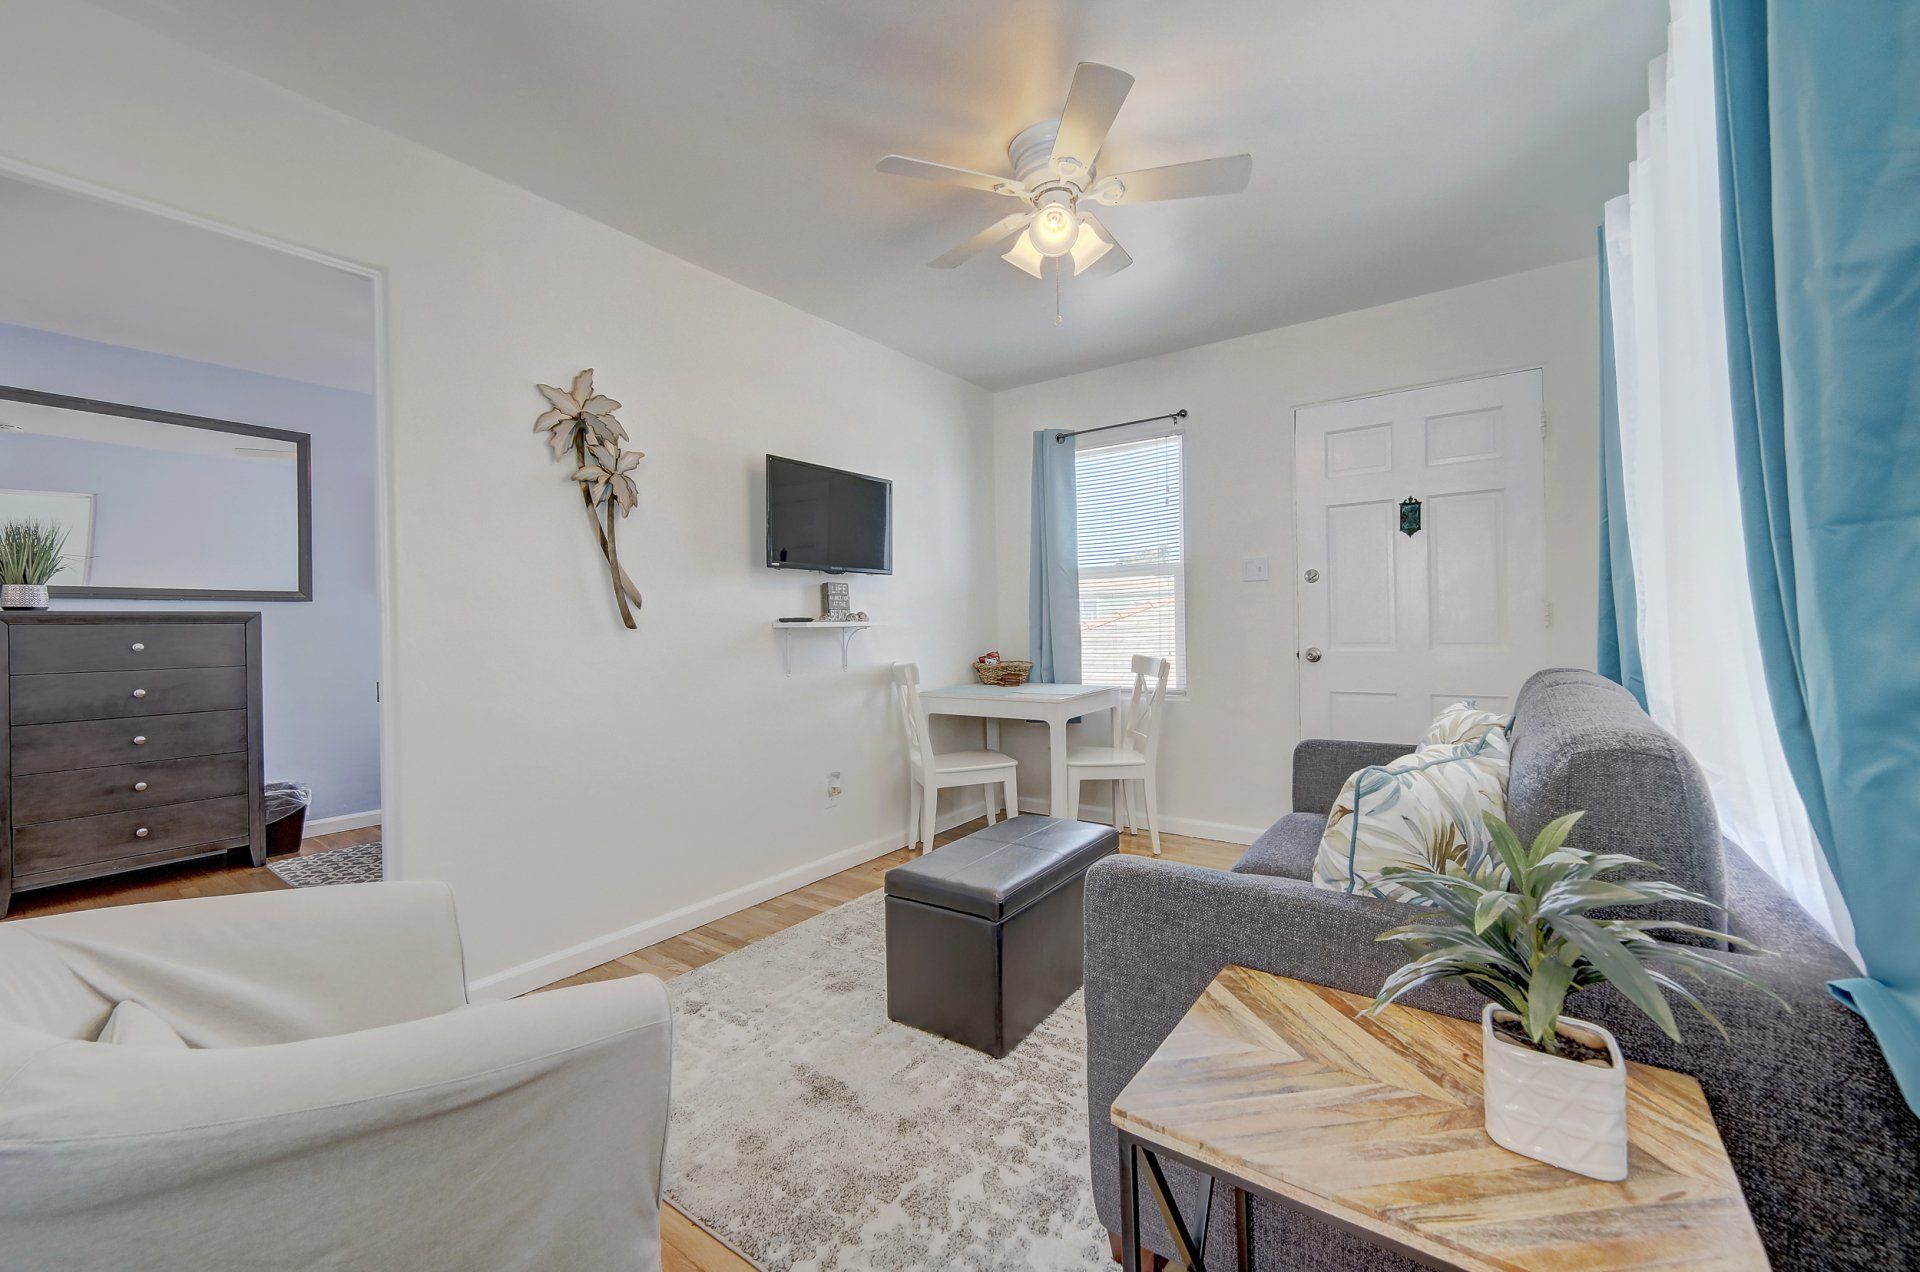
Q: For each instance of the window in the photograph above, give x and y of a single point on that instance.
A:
(1133, 595)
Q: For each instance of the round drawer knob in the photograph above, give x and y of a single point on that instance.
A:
(139, 786)
(139, 739)
(139, 647)
(140, 833)
(139, 693)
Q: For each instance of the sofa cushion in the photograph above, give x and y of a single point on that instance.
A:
(41, 993)
(1582, 742)
(1286, 850)
(133, 1024)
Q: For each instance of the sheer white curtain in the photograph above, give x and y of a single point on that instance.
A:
(1698, 642)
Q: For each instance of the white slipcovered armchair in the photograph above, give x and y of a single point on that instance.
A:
(339, 1104)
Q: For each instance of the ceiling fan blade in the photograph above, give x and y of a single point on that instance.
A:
(901, 166)
(994, 235)
(1092, 102)
(1111, 261)
(1226, 175)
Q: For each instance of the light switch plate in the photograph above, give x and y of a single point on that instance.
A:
(1254, 570)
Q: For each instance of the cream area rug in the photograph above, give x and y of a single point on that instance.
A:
(811, 1132)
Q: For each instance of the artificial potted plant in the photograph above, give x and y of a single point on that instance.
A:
(30, 555)
(1520, 930)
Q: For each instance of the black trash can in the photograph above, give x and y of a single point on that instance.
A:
(286, 810)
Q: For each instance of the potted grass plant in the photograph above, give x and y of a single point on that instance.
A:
(1520, 929)
(31, 553)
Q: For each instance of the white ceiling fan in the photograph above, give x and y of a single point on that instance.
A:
(1057, 181)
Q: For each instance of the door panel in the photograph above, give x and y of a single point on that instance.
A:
(1467, 568)
(1462, 437)
(1368, 717)
(1352, 452)
(1360, 554)
(1408, 624)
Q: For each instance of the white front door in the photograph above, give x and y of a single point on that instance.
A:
(1396, 626)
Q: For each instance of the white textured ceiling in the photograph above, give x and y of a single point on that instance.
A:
(122, 276)
(1400, 146)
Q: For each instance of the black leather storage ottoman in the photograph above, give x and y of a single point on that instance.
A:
(985, 937)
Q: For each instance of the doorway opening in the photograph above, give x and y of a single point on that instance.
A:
(197, 412)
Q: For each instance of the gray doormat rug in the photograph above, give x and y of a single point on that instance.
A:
(811, 1132)
(356, 863)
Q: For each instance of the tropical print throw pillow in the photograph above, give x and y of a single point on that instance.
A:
(1462, 722)
(1423, 809)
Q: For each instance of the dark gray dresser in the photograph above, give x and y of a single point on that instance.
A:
(126, 740)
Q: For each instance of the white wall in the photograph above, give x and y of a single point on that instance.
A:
(585, 789)
(1226, 760)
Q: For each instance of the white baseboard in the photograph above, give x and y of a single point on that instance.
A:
(317, 826)
(546, 970)
(1221, 831)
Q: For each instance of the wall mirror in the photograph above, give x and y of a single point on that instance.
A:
(159, 505)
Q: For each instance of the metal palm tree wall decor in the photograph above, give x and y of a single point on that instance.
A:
(581, 421)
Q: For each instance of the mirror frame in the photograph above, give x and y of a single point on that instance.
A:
(303, 463)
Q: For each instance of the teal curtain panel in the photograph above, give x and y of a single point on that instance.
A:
(1819, 106)
(1618, 655)
(1053, 583)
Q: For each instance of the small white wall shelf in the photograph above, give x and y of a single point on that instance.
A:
(787, 631)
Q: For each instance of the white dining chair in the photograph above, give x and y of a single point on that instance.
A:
(1134, 758)
(928, 773)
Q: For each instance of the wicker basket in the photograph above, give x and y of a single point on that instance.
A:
(1008, 671)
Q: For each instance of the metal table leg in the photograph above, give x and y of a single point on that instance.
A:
(1243, 1228)
(1129, 1205)
(1186, 1252)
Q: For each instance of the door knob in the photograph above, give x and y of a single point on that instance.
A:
(1313, 576)
(1313, 654)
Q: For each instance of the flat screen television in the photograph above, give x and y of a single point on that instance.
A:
(827, 519)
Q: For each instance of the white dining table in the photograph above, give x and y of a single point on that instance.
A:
(1052, 704)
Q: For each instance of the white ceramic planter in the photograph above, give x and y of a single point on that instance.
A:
(1558, 1111)
(23, 596)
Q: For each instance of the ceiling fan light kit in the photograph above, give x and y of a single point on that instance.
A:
(1055, 175)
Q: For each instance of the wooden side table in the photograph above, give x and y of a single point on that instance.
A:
(1274, 1088)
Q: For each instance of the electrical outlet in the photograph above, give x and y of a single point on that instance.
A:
(834, 789)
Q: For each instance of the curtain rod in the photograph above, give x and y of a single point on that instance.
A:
(1180, 414)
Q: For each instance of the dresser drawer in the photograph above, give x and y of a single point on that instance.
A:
(103, 695)
(48, 748)
(38, 647)
(82, 841)
(42, 797)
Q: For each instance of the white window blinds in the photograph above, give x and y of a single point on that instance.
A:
(1132, 555)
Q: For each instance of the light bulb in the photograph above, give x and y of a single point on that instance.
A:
(1054, 225)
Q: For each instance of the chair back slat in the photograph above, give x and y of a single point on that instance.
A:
(1141, 720)
(913, 713)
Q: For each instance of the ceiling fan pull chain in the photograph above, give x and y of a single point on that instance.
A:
(1059, 268)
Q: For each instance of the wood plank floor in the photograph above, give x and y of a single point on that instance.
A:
(206, 877)
(685, 1247)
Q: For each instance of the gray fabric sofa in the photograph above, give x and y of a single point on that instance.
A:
(1826, 1149)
